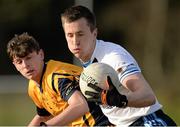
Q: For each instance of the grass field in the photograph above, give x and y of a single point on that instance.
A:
(16, 109)
(170, 104)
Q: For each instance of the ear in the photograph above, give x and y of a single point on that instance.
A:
(41, 53)
(95, 32)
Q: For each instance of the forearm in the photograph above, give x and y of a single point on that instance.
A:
(139, 99)
(66, 117)
(139, 92)
(132, 99)
(77, 108)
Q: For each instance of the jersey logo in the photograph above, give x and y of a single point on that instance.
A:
(69, 90)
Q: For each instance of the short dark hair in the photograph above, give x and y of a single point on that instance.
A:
(21, 45)
(76, 12)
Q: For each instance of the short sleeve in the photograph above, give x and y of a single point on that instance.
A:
(42, 111)
(67, 87)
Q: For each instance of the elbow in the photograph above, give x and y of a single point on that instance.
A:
(84, 107)
(87, 108)
(152, 100)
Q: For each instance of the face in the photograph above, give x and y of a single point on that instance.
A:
(80, 39)
(30, 66)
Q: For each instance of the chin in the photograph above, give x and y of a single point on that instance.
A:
(30, 77)
(77, 56)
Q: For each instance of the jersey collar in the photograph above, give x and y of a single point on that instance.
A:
(41, 80)
(93, 58)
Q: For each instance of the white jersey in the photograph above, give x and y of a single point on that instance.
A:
(117, 57)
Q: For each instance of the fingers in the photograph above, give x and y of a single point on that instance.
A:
(97, 102)
(98, 89)
(92, 94)
(109, 81)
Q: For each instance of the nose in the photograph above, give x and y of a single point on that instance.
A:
(25, 64)
(76, 40)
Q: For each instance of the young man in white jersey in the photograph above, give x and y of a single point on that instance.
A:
(138, 107)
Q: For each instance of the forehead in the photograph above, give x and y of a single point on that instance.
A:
(16, 58)
(80, 24)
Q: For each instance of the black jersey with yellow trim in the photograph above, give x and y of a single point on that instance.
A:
(58, 83)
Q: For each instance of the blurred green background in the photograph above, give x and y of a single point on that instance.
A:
(148, 29)
(16, 109)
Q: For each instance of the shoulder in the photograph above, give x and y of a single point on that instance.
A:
(58, 66)
(107, 44)
(110, 50)
(113, 54)
(58, 69)
(57, 73)
(109, 47)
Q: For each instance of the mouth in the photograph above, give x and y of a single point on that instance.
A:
(77, 50)
(29, 72)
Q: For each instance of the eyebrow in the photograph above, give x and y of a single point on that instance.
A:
(16, 60)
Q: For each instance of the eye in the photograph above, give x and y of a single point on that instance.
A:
(70, 35)
(18, 61)
(28, 57)
(80, 33)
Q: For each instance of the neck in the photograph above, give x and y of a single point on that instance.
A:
(87, 58)
(38, 78)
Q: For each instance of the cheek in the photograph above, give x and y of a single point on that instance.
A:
(68, 38)
(70, 44)
(17, 68)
